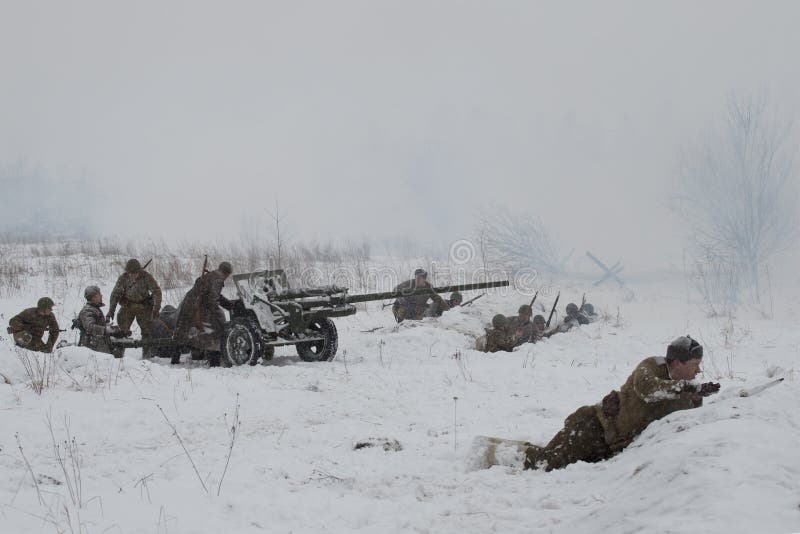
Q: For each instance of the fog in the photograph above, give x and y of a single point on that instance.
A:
(381, 119)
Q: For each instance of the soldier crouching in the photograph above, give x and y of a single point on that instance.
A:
(201, 321)
(657, 387)
(28, 327)
(94, 326)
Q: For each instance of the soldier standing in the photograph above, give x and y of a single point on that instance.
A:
(657, 387)
(436, 310)
(201, 320)
(28, 327)
(413, 307)
(95, 327)
(139, 297)
(523, 328)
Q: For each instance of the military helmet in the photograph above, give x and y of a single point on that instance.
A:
(420, 272)
(499, 321)
(90, 291)
(455, 296)
(572, 309)
(539, 319)
(525, 310)
(45, 303)
(225, 267)
(133, 266)
(684, 349)
(588, 308)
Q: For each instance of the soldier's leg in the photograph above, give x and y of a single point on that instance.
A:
(144, 318)
(581, 439)
(125, 317)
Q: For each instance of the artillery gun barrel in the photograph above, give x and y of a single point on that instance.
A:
(367, 297)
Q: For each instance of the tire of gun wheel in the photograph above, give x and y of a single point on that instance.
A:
(320, 351)
(241, 342)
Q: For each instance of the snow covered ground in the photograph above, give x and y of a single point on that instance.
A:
(730, 466)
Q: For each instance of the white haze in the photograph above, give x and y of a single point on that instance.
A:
(384, 118)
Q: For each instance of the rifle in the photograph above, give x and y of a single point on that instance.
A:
(386, 304)
(470, 301)
(534, 299)
(583, 302)
(553, 310)
(146, 264)
(205, 265)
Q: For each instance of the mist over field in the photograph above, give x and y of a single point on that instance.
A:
(378, 119)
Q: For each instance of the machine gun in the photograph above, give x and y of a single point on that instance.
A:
(270, 313)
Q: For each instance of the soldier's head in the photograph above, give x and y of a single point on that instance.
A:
(133, 267)
(572, 309)
(420, 275)
(499, 321)
(93, 295)
(225, 268)
(456, 298)
(539, 323)
(684, 355)
(588, 309)
(525, 313)
(45, 306)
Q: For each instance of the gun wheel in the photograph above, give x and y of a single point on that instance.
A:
(241, 342)
(320, 351)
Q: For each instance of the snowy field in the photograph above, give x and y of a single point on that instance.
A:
(731, 466)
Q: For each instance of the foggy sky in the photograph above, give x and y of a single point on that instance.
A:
(384, 118)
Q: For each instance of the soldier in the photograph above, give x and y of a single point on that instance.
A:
(523, 328)
(571, 320)
(139, 297)
(539, 327)
(587, 310)
(95, 327)
(435, 310)
(27, 327)
(501, 336)
(200, 319)
(162, 328)
(657, 387)
(413, 307)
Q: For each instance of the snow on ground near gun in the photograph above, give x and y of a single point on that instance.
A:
(730, 466)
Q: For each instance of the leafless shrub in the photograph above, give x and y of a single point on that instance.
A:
(738, 189)
(516, 242)
(40, 368)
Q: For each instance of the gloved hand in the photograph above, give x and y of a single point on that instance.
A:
(707, 389)
(11, 330)
(611, 404)
(111, 330)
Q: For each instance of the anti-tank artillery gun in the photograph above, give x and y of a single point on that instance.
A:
(271, 314)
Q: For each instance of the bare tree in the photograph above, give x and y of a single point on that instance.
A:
(516, 242)
(738, 188)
